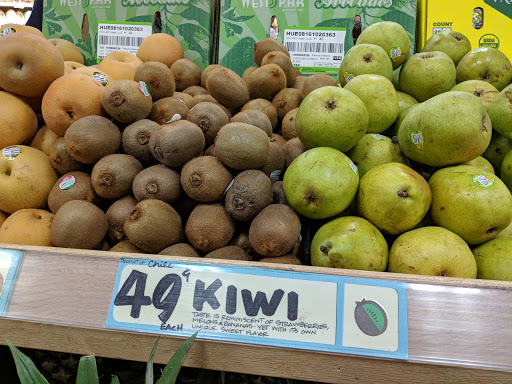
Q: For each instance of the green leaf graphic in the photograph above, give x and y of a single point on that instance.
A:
(231, 15)
(142, 19)
(53, 28)
(404, 18)
(335, 23)
(194, 13)
(233, 29)
(240, 57)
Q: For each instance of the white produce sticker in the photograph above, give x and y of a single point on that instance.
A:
(121, 37)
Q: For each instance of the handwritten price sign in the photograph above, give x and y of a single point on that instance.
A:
(249, 305)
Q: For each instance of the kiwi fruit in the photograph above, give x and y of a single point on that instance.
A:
(209, 227)
(72, 186)
(292, 149)
(266, 81)
(187, 99)
(158, 77)
(229, 252)
(62, 161)
(112, 176)
(254, 117)
(285, 259)
(242, 146)
(207, 71)
(117, 214)
(283, 60)
(275, 230)
(286, 100)
(168, 109)
(207, 98)
(186, 73)
(247, 72)
(225, 86)
(180, 249)
(210, 151)
(184, 206)
(298, 82)
(125, 246)
(127, 100)
(157, 182)
(264, 46)
(210, 117)
(153, 225)
(90, 138)
(176, 143)
(275, 162)
(78, 224)
(278, 196)
(288, 125)
(278, 139)
(135, 140)
(250, 192)
(315, 81)
(195, 90)
(205, 179)
(264, 106)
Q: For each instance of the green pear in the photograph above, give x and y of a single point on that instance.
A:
(393, 197)
(405, 100)
(432, 251)
(474, 204)
(364, 59)
(427, 74)
(500, 112)
(393, 130)
(373, 150)
(494, 259)
(497, 150)
(506, 170)
(331, 117)
(484, 91)
(396, 79)
(507, 232)
(349, 242)
(482, 163)
(454, 44)
(391, 36)
(320, 183)
(379, 96)
(451, 128)
(487, 64)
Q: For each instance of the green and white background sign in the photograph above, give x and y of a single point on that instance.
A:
(245, 22)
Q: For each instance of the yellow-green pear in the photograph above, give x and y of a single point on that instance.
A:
(494, 259)
(482, 163)
(453, 43)
(500, 112)
(484, 91)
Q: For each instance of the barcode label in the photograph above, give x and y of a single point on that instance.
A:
(483, 181)
(10, 153)
(352, 165)
(417, 139)
(125, 41)
(121, 37)
(379, 137)
(314, 47)
(395, 53)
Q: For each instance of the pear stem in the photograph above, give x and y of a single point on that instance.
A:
(402, 193)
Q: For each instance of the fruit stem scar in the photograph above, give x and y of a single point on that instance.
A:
(324, 249)
(310, 199)
(19, 65)
(402, 193)
(331, 104)
(70, 113)
(394, 139)
(491, 230)
(152, 188)
(238, 203)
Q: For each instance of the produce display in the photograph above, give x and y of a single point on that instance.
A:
(401, 164)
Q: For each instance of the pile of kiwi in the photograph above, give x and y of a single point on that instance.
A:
(186, 163)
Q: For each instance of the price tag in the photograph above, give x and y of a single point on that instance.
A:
(261, 306)
(10, 261)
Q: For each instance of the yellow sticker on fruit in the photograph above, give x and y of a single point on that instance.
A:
(352, 165)
(10, 153)
(102, 79)
(7, 31)
(395, 53)
(417, 139)
(379, 137)
(483, 181)
(348, 76)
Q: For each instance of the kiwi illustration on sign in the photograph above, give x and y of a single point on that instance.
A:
(370, 317)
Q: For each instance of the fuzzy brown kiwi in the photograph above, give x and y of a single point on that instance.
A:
(264, 106)
(242, 146)
(168, 109)
(227, 88)
(210, 151)
(286, 100)
(116, 216)
(153, 225)
(158, 77)
(125, 246)
(135, 140)
(62, 161)
(180, 249)
(157, 182)
(299, 82)
(195, 90)
(315, 81)
(176, 143)
(184, 206)
(292, 149)
(205, 99)
(78, 224)
(264, 46)
(284, 61)
(126, 100)
(278, 139)
(247, 72)
(72, 186)
(266, 81)
(112, 176)
(278, 196)
(288, 125)
(207, 71)
(254, 117)
(285, 259)
(275, 162)
(186, 73)
(186, 98)
(250, 192)
(205, 179)
(209, 227)
(90, 138)
(210, 117)
(229, 252)
(275, 230)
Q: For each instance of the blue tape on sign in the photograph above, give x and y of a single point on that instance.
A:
(261, 306)
(10, 261)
